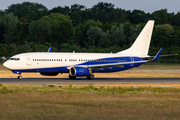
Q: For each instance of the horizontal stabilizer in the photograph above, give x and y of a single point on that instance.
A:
(168, 55)
(150, 57)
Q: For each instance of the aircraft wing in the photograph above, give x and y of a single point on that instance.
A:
(110, 65)
(120, 64)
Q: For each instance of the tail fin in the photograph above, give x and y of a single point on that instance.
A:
(141, 45)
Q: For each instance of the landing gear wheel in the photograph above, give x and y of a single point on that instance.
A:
(91, 77)
(72, 77)
(19, 77)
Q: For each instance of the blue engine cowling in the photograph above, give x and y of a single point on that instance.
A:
(79, 71)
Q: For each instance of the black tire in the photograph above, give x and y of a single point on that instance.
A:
(19, 77)
(90, 77)
(72, 77)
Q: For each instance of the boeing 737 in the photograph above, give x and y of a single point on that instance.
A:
(85, 64)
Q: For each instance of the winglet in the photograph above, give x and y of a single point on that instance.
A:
(157, 55)
(49, 50)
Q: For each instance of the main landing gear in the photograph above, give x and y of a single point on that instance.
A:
(72, 77)
(91, 77)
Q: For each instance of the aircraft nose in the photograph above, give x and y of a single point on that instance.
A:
(6, 64)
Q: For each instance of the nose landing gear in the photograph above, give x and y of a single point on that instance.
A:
(19, 73)
(19, 77)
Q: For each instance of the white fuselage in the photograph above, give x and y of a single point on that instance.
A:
(37, 61)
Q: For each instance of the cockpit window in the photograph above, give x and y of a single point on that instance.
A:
(15, 59)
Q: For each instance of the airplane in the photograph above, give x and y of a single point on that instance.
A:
(85, 64)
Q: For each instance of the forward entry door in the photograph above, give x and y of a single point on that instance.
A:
(28, 60)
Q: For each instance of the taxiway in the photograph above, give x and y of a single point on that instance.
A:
(95, 81)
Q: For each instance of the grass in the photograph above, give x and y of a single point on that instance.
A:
(49, 102)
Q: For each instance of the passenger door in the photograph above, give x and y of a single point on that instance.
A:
(28, 60)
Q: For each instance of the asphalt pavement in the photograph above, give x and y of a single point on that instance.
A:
(95, 81)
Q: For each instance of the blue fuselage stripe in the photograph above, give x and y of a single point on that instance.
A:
(95, 62)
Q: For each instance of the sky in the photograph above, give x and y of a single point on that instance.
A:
(144, 5)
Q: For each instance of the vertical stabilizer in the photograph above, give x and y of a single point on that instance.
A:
(141, 45)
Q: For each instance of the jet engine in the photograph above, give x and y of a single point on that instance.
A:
(80, 71)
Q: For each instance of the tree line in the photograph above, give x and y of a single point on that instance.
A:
(31, 27)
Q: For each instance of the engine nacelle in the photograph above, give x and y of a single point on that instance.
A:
(49, 73)
(79, 71)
